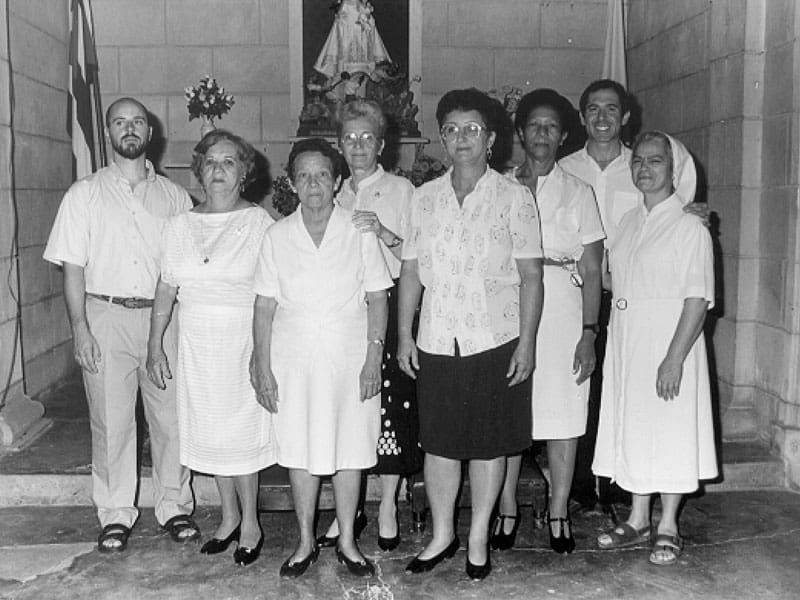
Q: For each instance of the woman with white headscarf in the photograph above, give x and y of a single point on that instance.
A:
(656, 432)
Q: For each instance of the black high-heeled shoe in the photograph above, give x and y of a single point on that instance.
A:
(389, 544)
(502, 540)
(359, 568)
(563, 544)
(478, 572)
(217, 545)
(359, 524)
(243, 555)
(420, 565)
(295, 569)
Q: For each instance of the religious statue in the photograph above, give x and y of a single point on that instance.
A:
(354, 63)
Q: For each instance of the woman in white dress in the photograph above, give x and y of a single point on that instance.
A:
(208, 263)
(656, 432)
(319, 327)
(572, 238)
(380, 201)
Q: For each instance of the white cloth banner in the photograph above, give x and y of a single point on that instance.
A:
(614, 63)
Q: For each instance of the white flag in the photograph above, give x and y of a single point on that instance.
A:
(614, 51)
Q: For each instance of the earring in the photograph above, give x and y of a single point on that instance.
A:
(489, 153)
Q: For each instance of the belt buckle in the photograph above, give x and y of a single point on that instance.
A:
(131, 303)
(621, 304)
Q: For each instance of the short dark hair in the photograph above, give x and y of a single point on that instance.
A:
(549, 98)
(314, 145)
(625, 102)
(125, 100)
(470, 99)
(245, 152)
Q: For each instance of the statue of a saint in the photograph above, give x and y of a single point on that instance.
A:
(353, 46)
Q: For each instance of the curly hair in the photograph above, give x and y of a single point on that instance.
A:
(315, 145)
(362, 109)
(245, 153)
(545, 97)
(471, 99)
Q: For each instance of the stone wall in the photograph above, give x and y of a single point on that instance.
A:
(10, 355)
(42, 172)
(245, 45)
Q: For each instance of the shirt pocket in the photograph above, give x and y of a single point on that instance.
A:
(623, 202)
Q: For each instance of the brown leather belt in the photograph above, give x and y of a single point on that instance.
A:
(126, 302)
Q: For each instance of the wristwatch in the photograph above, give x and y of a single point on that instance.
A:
(593, 327)
(396, 241)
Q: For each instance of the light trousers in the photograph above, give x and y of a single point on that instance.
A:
(111, 393)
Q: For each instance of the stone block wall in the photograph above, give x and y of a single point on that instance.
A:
(42, 166)
(245, 45)
(10, 354)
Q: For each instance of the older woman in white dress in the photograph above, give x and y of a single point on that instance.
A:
(319, 327)
(209, 259)
(656, 433)
(572, 238)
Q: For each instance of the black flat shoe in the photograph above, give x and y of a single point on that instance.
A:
(563, 544)
(295, 569)
(419, 565)
(502, 540)
(362, 568)
(359, 524)
(478, 572)
(244, 555)
(388, 544)
(217, 545)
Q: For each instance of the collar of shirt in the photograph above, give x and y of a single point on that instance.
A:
(150, 177)
(483, 181)
(665, 205)
(622, 160)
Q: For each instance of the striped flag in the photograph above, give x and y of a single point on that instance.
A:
(85, 120)
(614, 51)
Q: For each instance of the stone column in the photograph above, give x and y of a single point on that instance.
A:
(20, 417)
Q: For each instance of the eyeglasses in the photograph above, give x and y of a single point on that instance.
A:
(471, 130)
(365, 140)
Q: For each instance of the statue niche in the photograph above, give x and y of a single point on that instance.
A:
(350, 59)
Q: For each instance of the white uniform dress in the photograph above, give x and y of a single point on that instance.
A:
(644, 443)
(570, 220)
(223, 429)
(319, 341)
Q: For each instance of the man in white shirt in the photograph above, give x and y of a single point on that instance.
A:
(106, 237)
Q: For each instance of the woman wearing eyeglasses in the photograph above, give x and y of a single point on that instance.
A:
(473, 251)
(572, 236)
(379, 201)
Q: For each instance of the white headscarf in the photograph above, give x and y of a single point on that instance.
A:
(684, 174)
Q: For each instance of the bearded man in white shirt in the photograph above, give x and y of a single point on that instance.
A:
(106, 237)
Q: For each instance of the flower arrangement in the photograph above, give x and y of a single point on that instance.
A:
(510, 98)
(284, 198)
(424, 169)
(207, 100)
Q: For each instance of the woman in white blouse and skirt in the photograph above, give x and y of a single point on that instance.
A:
(572, 238)
(473, 244)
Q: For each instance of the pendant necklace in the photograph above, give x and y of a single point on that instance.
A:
(202, 250)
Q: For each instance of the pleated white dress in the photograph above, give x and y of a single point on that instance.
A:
(645, 443)
(319, 341)
(223, 429)
(570, 219)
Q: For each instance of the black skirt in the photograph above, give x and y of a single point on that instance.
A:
(466, 408)
(398, 447)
